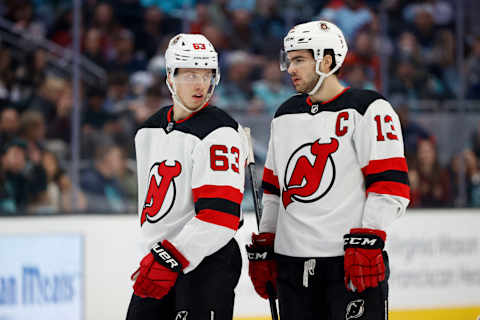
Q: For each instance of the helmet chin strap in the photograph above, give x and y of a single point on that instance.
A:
(322, 77)
(178, 102)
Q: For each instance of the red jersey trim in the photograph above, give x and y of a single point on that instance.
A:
(310, 103)
(213, 191)
(338, 95)
(219, 218)
(270, 177)
(170, 112)
(391, 188)
(377, 166)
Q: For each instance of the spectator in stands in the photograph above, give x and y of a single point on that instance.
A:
(123, 57)
(349, 17)
(270, 91)
(146, 106)
(129, 13)
(94, 117)
(92, 47)
(472, 178)
(12, 182)
(45, 99)
(434, 180)
(7, 76)
(364, 55)
(104, 20)
(22, 14)
(100, 182)
(220, 15)
(36, 68)
(61, 30)
(407, 47)
(412, 131)
(59, 128)
(424, 29)
(127, 178)
(218, 39)
(32, 131)
(412, 81)
(21, 181)
(414, 181)
(443, 63)
(356, 77)
(242, 34)
(268, 19)
(201, 20)
(172, 7)
(441, 11)
(235, 91)
(156, 26)
(117, 92)
(9, 124)
(472, 68)
(59, 188)
(32, 128)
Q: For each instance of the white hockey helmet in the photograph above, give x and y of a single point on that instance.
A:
(191, 51)
(316, 36)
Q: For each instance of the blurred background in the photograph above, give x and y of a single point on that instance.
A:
(77, 78)
(67, 121)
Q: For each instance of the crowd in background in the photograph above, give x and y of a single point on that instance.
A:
(127, 39)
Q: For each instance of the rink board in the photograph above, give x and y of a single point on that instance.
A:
(435, 264)
(472, 313)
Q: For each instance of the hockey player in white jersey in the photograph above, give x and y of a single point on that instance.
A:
(191, 166)
(334, 179)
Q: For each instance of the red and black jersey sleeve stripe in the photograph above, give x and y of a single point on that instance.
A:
(218, 205)
(270, 182)
(387, 176)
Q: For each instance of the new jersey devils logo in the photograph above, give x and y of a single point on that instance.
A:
(355, 309)
(309, 182)
(161, 191)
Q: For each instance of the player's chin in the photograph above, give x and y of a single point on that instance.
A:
(301, 89)
(195, 105)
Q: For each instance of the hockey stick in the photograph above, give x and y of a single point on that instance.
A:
(258, 214)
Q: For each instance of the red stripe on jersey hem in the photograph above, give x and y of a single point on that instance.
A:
(268, 192)
(391, 188)
(220, 218)
(270, 177)
(170, 113)
(377, 166)
(213, 191)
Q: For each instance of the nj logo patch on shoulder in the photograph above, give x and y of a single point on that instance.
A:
(181, 315)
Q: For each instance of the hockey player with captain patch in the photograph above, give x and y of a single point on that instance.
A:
(335, 178)
(191, 167)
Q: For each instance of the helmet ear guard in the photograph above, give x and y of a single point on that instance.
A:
(317, 36)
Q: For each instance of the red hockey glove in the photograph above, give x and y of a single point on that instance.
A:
(363, 264)
(158, 271)
(262, 269)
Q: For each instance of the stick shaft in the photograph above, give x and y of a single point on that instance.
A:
(258, 215)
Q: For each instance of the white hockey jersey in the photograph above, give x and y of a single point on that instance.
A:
(331, 167)
(190, 181)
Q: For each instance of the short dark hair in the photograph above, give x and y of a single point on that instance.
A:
(331, 53)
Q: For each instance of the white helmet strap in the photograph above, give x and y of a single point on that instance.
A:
(322, 75)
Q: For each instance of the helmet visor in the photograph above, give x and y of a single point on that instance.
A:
(195, 77)
(284, 61)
